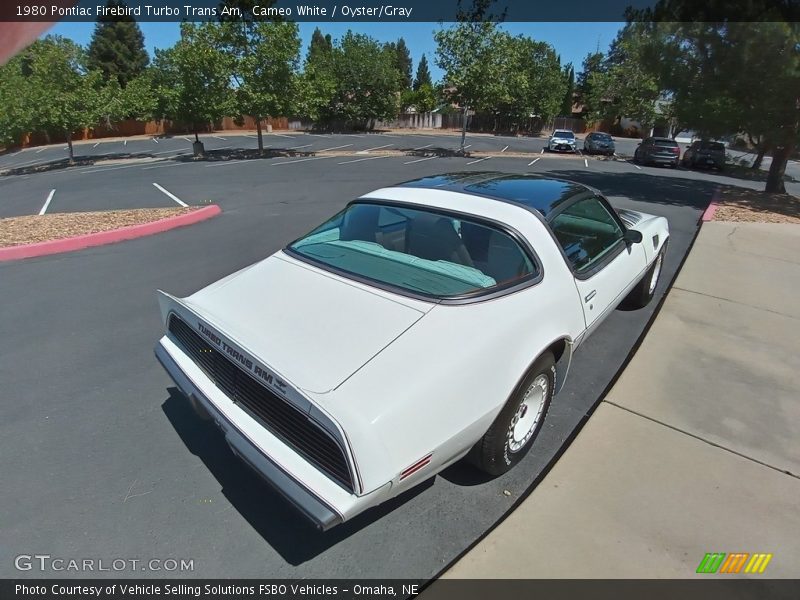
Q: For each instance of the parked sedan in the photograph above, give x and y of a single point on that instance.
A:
(426, 322)
(704, 154)
(562, 141)
(658, 151)
(598, 142)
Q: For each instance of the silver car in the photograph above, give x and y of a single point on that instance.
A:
(562, 141)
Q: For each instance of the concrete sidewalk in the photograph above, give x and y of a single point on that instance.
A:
(696, 448)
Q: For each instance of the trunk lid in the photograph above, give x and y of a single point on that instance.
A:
(313, 328)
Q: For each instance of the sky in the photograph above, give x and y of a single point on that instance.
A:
(573, 41)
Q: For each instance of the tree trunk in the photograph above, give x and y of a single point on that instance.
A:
(777, 169)
(464, 129)
(260, 138)
(762, 149)
(69, 146)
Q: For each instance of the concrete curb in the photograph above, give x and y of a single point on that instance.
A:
(107, 237)
(708, 214)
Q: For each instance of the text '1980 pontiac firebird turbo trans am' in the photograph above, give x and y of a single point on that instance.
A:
(426, 322)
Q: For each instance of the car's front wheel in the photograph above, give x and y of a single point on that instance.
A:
(640, 296)
(512, 434)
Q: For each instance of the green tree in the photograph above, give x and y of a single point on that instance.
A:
(710, 70)
(265, 57)
(404, 63)
(423, 76)
(16, 116)
(568, 101)
(528, 80)
(624, 87)
(62, 94)
(193, 78)
(467, 52)
(356, 82)
(320, 44)
(117, 47)
(593, 63)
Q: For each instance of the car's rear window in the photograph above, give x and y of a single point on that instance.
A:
(665, 142)
(603, 137)
(417, 251)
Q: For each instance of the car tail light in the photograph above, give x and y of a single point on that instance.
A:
(676, 150)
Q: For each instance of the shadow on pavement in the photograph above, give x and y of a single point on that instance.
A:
(281, 526)
(648, 187)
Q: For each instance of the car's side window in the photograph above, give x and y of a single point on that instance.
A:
(587, 232)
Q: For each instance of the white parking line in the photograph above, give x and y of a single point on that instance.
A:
(387, 135)
(503, 150)
(585, 162)
(637, 166)
(298, 147)
(375, 148)
(171, 195)
(125, 143)
(542, 152)
(187, 139)
(423, 147)
(291, 162)
(347, 162)
(281, 135)
(334, 148)
(479, 160)
(220, 138)
(174, 164)
(155, 140)
(534, 161)
(411, 162)
(470, 145)
(40, 150)
(96, 145)
(47, 202)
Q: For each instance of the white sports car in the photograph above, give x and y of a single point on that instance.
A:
(426, 322)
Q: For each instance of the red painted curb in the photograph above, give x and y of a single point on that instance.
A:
(708, 215)
(107, 237)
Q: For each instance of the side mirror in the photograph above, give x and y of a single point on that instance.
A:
(632, 236)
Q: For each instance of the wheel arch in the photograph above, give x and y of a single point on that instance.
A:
(561, 349)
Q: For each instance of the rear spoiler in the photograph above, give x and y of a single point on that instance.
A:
(168, 303)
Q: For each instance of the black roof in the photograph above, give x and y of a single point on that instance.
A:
(543, 194)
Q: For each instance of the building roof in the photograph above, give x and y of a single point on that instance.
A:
(543, 194)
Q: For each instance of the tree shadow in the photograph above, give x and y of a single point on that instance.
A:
(760, 203)
(670, 190)
(275, 520)
(231, 154)
(88, 160)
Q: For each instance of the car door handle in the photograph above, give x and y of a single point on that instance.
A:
(590, 295)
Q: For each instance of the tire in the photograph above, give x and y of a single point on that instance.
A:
(511, 436)
(641, 295)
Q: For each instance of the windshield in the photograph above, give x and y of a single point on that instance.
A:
(417, 251)
(564, 134)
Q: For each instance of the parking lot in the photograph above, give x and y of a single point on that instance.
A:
(109, 460)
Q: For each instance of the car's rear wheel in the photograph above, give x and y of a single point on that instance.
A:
(640, 296)
(512, 434)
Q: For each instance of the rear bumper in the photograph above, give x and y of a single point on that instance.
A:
(310, 505)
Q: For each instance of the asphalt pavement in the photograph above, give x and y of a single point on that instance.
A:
(105, 459)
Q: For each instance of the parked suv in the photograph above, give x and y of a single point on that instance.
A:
(658, 151)
(598, 142)
(562, 141)
(705, 154)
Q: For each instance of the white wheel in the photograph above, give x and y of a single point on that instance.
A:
(526, 419)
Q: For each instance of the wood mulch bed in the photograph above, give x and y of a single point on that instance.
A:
(30, 229)
(751, 206)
